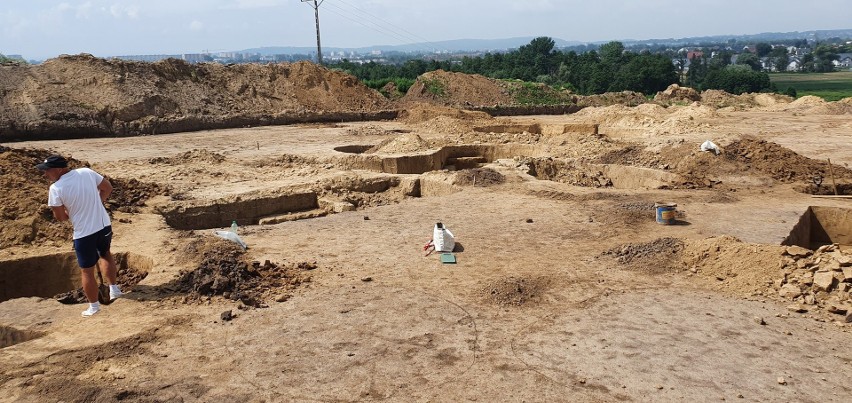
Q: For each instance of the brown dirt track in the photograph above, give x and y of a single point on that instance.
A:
(566, 289)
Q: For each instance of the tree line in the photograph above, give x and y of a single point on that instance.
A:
(609, 68)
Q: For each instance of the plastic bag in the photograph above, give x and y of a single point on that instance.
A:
(710, 146)
(443, 239)
(231, 236)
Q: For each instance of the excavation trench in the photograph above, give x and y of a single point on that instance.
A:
(49, 275)
(336, 196)
(9, 336)
(448, 157)
(599, 175)
(820, 226)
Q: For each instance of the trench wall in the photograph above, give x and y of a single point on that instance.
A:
(48, 275)
(821, 225)
(435, 160)
(220, 213)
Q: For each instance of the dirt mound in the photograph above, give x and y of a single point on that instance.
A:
(567, 171)
(718, 98)
(404, 143)
(130, 194)
(24, 215)
(194, 155)
(703, 169)
(370, 130)
(478, 177)
(650, 117)
(514, 291)
(225, 271)
(80, 96)
(458, 89)
(658, 256)
(779, 162)
(815, 280)
(676, 93)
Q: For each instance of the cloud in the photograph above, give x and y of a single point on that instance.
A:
(196, 25)
(119, 11)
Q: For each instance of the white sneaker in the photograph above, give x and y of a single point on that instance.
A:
(115, 295)
(91, 311)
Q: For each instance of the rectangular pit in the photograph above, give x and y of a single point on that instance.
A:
(48, 275)
(820, 226)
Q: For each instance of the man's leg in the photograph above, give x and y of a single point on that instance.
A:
(90, 289)
(108, 269)
(106, 264)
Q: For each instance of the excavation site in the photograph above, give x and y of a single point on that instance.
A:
(280, 234)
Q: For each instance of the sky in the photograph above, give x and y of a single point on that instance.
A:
(41, 29)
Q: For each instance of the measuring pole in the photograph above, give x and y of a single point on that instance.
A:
(316, 5)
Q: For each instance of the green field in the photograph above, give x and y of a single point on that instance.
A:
(829, 86)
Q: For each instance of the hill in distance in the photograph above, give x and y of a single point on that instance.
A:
(499, 45)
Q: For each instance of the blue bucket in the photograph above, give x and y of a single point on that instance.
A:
(665, 213)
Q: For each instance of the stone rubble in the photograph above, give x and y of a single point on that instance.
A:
(817, 279)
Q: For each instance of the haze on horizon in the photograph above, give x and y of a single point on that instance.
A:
(47, 28)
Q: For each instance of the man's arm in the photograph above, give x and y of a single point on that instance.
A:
(104, 189)
(59, 213)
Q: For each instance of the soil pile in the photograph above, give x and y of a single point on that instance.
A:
(225, 271)
(192, 156)
(478, 177)
(24, 215)
(404, 143)
(83, 96)
(705, 169)
(658, 256)
(815, 280)
(514, 291)
(458, 90)
(651, 118)
(567, 171)
(779, 162)
(676, 93)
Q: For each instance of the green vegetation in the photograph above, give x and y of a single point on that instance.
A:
(435, 87)
(828, 86)
(402, 84)
(609, 68)
(5, 59)
(612, 68)
(536, 94)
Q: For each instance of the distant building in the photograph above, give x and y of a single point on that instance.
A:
(147, 58)
(692, 54)
(844, 61)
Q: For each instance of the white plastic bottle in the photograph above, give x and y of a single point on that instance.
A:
(234, 226)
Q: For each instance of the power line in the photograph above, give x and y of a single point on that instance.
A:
(381, 26)
(410, 34)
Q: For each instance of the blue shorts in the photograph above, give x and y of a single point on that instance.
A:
(92, 247)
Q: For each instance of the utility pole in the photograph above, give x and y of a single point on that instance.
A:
(316, 15)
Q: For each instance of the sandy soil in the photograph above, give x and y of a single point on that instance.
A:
(534, 310)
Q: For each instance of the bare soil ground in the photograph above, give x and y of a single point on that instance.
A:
(565, 288)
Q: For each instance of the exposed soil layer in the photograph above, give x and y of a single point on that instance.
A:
(83, 96)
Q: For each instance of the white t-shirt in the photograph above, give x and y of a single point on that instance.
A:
(77, 190)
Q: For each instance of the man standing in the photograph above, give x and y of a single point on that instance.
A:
(79, 195)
